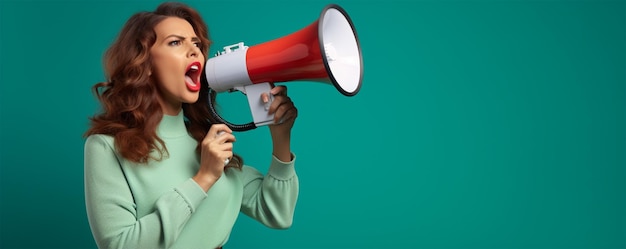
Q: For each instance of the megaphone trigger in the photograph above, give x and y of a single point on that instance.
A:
(258, 107)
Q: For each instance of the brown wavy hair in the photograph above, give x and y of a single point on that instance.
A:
(131, 112)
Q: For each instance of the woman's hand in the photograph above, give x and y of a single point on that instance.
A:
(216, 149)
(285, 114)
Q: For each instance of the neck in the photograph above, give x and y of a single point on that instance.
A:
(171, 109)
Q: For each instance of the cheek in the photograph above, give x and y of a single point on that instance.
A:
(159, 64)
(165, 82)
(162, 78)
(163, 72)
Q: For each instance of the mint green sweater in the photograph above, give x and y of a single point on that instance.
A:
(158, 205)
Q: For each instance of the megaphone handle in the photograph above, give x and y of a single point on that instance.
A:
(219, 119)
(259, 109)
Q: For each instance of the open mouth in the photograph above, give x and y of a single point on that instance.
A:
(192, 76)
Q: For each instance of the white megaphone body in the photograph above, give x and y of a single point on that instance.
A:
(326, 51)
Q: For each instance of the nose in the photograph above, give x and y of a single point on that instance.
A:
(194, 51)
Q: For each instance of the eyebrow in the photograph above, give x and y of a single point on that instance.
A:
(195, 39)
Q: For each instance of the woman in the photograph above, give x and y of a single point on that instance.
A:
(159, 172)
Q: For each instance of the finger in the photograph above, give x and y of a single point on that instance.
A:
(292, 113)
(279, 101)
(225, 147)
(279, 90)
(217, 129)
(215, 136)
(265, 97)
(221, 137)
(216, 148)
(224, 138)
(227, 154)
(222, 152)
(283, 112)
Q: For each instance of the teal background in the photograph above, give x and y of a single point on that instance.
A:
(480, 123)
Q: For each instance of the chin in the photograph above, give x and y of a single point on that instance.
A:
(191, 98)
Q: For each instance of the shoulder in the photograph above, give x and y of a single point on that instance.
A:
(99, 145)
(99, 140)
(102, 164)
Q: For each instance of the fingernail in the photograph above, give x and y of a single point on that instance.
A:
(265, 98)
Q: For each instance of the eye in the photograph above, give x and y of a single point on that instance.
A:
(197, 44)
(174, 43)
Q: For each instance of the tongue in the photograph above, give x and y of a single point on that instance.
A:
(192, 86)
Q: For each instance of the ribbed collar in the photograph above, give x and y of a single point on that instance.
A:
(172, 126)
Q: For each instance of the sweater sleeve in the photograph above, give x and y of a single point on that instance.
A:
(111, 209)
(271, 200)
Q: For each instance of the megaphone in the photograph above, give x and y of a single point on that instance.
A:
(326, 51)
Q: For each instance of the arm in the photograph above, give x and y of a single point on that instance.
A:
(271, 200)
(285, 114)
(111, 209)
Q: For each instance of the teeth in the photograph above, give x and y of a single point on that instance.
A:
(194, 67)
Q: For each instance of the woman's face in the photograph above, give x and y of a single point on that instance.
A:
(177, 63)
